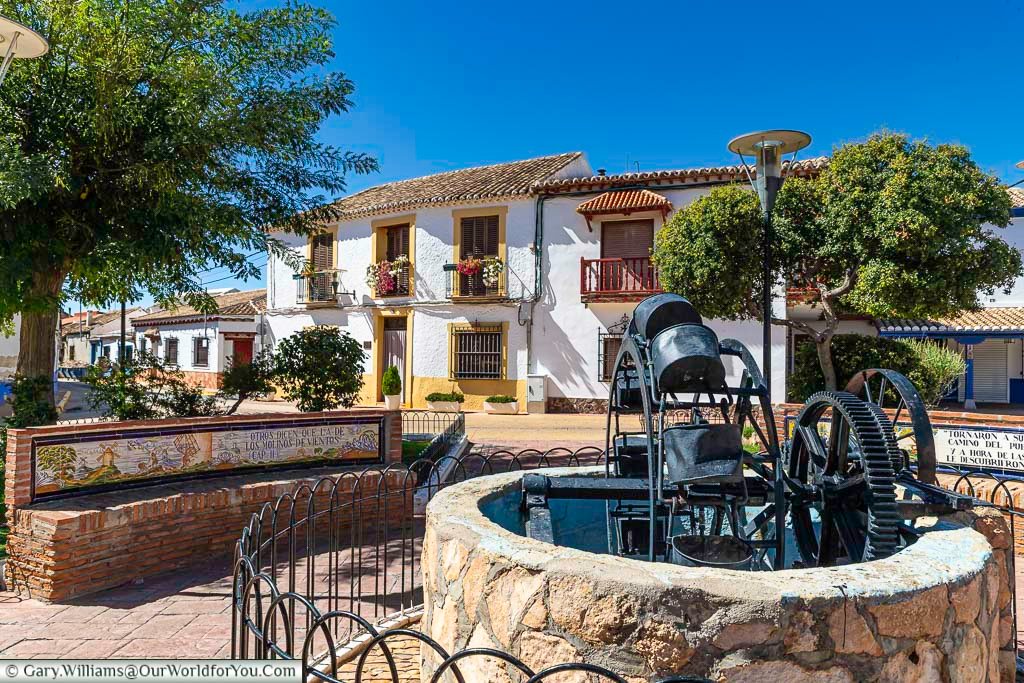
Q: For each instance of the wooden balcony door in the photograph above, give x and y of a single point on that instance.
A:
(397, 244)
(630, 241)
(479, 239)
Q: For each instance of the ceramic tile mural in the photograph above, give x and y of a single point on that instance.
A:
(127, 457)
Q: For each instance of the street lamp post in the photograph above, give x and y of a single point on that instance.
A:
(768, 148)
(18, 41)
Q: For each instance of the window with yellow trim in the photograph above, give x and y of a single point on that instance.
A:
(477, 352)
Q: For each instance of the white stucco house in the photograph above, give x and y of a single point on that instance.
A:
(574, 248)
(203, 345)
(9, 351)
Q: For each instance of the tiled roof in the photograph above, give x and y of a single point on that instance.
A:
(624, 201)
(482, 182)
(71, 325)
(654, 178)
(996, 319)
(234, 304)
(1016, 197)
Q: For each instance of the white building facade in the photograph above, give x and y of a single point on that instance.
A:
(575, 249)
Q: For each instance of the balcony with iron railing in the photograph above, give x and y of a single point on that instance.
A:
(319, 288)
(618, 279)
(474, 288)
(397, 283)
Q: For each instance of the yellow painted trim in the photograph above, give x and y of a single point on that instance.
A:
(459, 214)
(378, 351)
(378, 247)
(333, 231)
(475, 390)
(484, 326)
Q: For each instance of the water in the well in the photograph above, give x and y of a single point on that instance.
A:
(584, 524)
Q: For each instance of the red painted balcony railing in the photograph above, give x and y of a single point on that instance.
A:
(617, 278)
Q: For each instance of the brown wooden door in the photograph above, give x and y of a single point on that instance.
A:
(394, 348)
(479, 239)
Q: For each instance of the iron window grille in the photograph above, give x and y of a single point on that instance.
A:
(608, 344)
(201, 352)
(171, 352)
(477, 352)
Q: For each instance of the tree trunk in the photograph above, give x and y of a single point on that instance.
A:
(828, 369)
(37, 350)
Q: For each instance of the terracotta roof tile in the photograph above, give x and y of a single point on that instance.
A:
(232, 304)
(1016, 197)
(653, 178)
(73, 326)
(995, 319)
(624, 201)
(510, 179)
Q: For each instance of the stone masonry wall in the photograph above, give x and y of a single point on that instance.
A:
(60, 549)
(938, 611)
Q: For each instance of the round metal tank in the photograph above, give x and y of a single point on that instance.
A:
(686, 359)
(655, 313)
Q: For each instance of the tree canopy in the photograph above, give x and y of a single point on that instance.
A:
(891, 227)
(155, 141)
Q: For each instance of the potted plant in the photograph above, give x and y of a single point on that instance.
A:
(391, 387)
(501, 404)
(469, 266)
(492, 269)
(446, 402)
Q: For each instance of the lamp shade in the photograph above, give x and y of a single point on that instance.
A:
(28, 45)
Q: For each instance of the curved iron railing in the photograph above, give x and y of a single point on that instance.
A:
(338, 558)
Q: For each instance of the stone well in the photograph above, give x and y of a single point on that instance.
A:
(939, 610)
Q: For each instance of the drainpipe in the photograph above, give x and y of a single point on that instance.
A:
(538, 238)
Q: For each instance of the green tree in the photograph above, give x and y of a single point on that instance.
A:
(58, 460)
(890, 228)
(320, 367)
(248, 380)
(154, 141)
(146, 388)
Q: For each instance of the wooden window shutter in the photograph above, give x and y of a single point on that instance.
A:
(479, 236)
(323, 252)
(627, 239)
(398, 242)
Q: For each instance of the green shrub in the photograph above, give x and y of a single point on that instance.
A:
(391, 383)
(452, 397)
(938, 368)
(501, 398)
(321, 368)
(146, 388)
(248, 380)
(931, 367)
(850, 353)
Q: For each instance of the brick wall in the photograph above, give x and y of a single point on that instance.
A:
(60, 549)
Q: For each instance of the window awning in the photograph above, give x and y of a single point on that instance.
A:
(624, 202)
(1002, 321)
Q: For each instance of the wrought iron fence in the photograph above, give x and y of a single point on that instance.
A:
(337, 562)
(442, 430)
(337, 559)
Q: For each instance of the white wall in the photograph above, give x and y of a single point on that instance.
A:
(1013, 234)
(435, 229)
(9, 351)
(220, 348)
(566, 330)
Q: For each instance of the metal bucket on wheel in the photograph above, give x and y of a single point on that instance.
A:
(655, 313)
(686, 359)
(718, 552)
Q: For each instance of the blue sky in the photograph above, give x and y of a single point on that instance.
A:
(443, 85)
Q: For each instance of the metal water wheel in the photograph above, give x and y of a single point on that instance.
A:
(843, 498)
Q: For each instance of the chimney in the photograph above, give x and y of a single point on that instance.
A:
(601, 172)
(88, 318)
